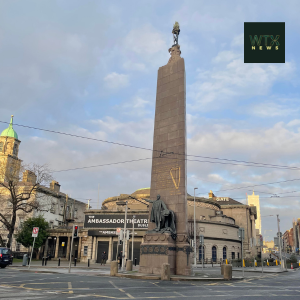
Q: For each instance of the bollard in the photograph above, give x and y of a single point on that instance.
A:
(165, 272)
(88, 262)
(113, 268)
(136, 259)
(75, 259)
(227, 272)
(129, 265)
(42, 261)
(46, 261)
(59, 261)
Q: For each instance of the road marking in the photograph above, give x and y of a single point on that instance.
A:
(180, 294)
(70, 288)
(121, 290)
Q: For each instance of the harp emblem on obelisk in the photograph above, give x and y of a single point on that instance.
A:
(175, 174)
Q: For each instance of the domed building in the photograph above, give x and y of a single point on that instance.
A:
(99, 234)
(9, 149)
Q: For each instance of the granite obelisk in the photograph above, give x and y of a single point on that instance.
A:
(168, 177)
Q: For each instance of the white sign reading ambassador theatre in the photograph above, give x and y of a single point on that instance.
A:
(115, 221)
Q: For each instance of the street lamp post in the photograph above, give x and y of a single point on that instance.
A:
(133, 219)
(195, 247)
(124, 203)
(279, 239)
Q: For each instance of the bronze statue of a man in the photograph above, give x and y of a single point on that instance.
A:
(163, 218)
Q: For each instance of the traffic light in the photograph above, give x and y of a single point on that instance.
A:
(75, 231)
(120, 242)
(127, 235)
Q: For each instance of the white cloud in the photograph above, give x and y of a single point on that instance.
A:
(116, 81)
(292, 123)
(235, 81)
(269, 109)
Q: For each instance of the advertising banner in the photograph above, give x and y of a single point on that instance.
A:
(115, 221)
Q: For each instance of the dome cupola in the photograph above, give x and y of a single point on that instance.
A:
(9, 132)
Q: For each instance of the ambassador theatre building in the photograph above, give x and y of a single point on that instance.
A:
(217, 218)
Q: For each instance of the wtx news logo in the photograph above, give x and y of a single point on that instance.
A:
(264, 42)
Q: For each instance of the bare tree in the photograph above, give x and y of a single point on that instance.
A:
(20, 195)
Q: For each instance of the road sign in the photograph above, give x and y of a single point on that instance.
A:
(35, 231)
(241, 234)
(118, 231)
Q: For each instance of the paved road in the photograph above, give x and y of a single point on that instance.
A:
(22, 285)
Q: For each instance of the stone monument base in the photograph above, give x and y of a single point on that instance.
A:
(156, 250)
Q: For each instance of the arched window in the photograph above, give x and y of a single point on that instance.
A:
(201, 248)
(1, 146)
(214, 253)
(224, 252)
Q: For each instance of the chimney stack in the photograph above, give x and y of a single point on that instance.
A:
(29, 176)
(55, 186)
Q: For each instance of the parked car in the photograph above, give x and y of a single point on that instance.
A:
(5, 257)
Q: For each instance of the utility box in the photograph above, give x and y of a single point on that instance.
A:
(25, 257)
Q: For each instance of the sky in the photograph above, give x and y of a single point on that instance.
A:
(89, 68)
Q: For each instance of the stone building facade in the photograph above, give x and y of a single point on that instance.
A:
(57, 208)
(98, 232)
(245, 217)
(253, 200)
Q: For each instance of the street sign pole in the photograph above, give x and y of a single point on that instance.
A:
(70, 256)
(35, 232)
(133, 219)
(279, 238)
(261, 255)
(31, 253)
(124, 239)
(241, 236)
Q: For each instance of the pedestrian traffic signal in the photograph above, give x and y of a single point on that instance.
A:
(75, 231)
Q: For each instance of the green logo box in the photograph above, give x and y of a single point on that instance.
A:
(264, 42)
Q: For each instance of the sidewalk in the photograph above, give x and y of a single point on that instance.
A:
(276, 269)
(64, 263)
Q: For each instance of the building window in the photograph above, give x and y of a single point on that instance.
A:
(233, 255)
(75, 214)
(51, 224)
(52, 209)
(238, 255)
(18, 247)
(15, 150)
(214, 253)
(21, 220)
(61, 210)
(201, 248)
(85, 250)
(1, 146)
(224, 252)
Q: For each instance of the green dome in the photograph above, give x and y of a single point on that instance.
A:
(10, 131)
